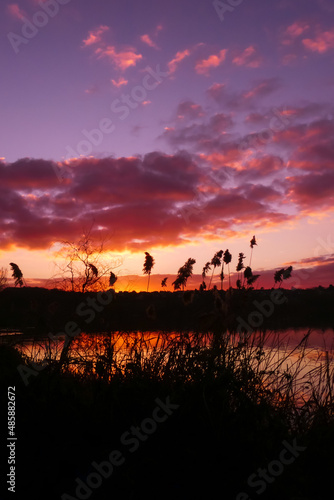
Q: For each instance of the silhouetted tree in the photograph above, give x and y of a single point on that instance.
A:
(205, 270)
(183, 274)
(17, 274)
(227, 259)
(112, 279)
(84, 265)
(164, 282)
(282, 274)
(252, 244)
(239, 268)
(148, 265)
(250, 277)
(216, 262)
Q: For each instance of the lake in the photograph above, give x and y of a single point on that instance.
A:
(306, 356)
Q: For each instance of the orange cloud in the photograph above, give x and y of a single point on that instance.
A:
(179, 56)
(121, 81)
(123, 59)
(146, 39)
(203, 66)
(95, 36)
(321, 43)
(248, 58)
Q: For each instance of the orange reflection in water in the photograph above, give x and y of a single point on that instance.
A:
(281, 358)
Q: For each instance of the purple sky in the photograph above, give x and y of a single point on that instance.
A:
(83, 85)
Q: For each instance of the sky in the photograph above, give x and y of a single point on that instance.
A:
(179, 128)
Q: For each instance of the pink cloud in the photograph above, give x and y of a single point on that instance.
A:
(122, 195)
(92, 90)
(312, 191)
(263, 88)
(321, 43)
(296, 29)
(189, 110)
(95, 36)
(203, 67)
(122, 59)
(15, 11)
(178, 58)
(248, 58)
(288, 59)
(216, 91)
(146, 39)
(120, 82)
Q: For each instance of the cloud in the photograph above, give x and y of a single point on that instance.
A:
(92, 90)
(216, 91)
(14, 10)
(95, 36)
(178, 58)
(263, 88)
(203, 67)
(122, 59)
(146, 39)
(141, 201)
(201, 136)
(188, 110)
(312, 192)
(295, 30)
(288, 59)
(248, 58)
(311, 145)
(120, 82)
(321, 43)
(243, 100)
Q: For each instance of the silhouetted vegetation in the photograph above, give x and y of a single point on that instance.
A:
(236, 404)
(17, 274)
(148, 265)
(183, 274)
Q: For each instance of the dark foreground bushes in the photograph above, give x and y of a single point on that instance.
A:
(196, 417)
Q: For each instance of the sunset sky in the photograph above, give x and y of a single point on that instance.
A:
(179, 128)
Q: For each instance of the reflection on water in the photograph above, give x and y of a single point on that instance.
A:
(300, 360)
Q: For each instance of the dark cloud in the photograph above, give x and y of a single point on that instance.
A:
(246, 99)
(312, 191)
(188, 110)
(155, 200)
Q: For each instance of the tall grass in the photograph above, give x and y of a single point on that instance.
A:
(259, 368)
